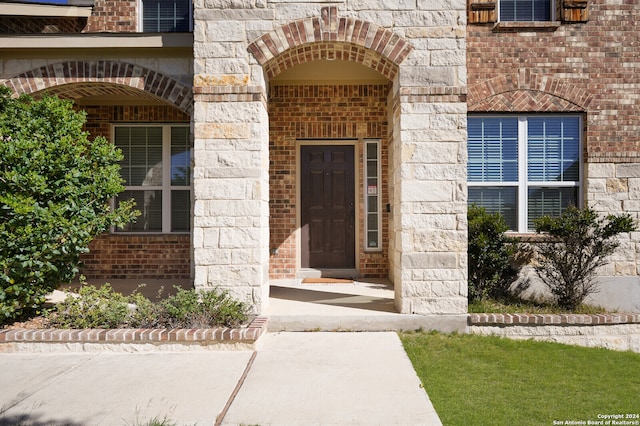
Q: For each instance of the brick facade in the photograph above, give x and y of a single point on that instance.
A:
(322, 112)
(586, 63)
(590, 67)
(138, 257)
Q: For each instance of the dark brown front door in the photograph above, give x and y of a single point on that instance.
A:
(328, 206)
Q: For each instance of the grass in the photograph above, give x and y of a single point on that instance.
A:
(478, 380)
(523, 306)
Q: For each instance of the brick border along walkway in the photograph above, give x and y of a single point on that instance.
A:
(553, 319)
(248, 334)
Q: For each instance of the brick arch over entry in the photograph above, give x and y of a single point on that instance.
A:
(107, 74)
(524, 92)
(332, 38)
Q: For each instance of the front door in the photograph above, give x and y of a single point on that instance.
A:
(327, 206)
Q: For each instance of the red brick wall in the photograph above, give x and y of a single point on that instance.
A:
(137, 257)
(591, 67)
(127, 256)
(321, 112)
(113, 16)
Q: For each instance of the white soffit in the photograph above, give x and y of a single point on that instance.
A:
(23, 9)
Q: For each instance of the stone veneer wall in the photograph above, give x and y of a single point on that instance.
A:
(351, 112)
(619, 332)
(589, 67)
(420, 47)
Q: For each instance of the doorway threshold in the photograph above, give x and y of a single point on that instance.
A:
(327, 273)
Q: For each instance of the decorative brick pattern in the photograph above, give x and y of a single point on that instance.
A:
(526, 91)
(114, 73)
(553, 319)
(322, 112)
(202, 336)
(330, 37)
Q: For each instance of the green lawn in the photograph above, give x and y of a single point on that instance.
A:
(476, 380)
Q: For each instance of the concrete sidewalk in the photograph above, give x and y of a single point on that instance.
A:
(292, 379)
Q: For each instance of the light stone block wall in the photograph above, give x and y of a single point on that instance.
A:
(614, 188)
(428, 147)
(619, 337)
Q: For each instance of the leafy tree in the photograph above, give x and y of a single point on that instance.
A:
(493, 255)
(55, 190)
(579, 243)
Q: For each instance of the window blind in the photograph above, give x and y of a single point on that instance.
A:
(525, 10)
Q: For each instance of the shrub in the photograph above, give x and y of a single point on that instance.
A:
(55, 192)
(493, 266)
(579, 243)
(191, 309)
(92, 307)
(104, 308)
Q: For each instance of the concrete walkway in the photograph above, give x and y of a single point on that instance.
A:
(291, 379)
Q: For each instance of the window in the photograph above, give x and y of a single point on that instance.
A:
(372, 191)
(524, 167)
(166, 16)
(157, 173)
(525, 10)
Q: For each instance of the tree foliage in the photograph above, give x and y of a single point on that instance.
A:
(55, 190)
(580, 242)
(493, 262)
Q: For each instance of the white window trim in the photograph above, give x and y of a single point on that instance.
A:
(378, 198)
(552, 18)
(141, 16)
(166, 187)
(523, 183)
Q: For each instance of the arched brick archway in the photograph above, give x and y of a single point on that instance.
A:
(104, 77)
(526, 91)
(332, 38)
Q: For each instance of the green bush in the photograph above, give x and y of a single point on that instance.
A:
(579, 243)
(92, 307)
(104, 308)
(55, 192)
(492, 255)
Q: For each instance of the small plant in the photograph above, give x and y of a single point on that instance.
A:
(191, 309)
(104, 308)
(92, 307)
(579, 243)
(493, 255)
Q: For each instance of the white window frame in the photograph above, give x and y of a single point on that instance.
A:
(378, 194)
(141, 16)
(166, 186)
(523, 183)
(552, 15)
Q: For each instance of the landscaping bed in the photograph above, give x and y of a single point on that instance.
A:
(100, 316)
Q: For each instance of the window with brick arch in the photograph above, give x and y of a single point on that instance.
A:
(166, 16)
(526, 10)
(524, 166)
(156, 169)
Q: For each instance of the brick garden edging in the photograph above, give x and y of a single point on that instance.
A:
(612, 331)
(243, 336)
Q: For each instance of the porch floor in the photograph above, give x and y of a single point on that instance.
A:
(364, 305)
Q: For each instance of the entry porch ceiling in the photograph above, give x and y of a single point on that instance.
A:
(333, 72)
(96, 93)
